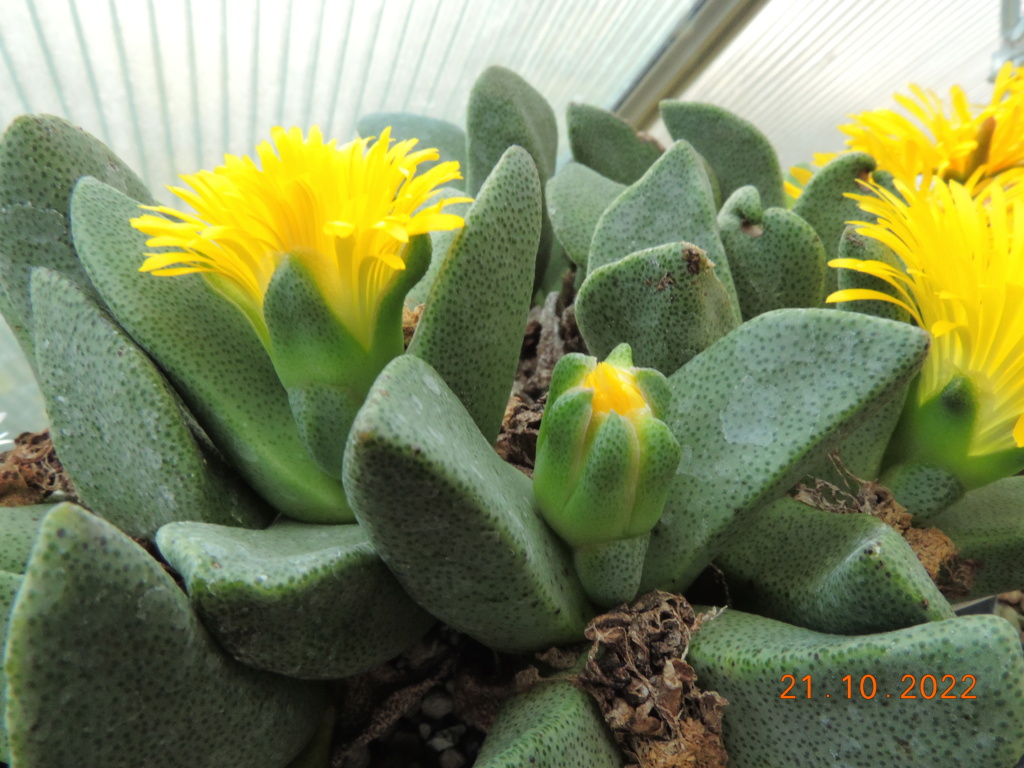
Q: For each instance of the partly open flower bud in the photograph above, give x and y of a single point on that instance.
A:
(604, 458)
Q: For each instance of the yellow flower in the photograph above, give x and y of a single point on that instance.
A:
(973, 147)
(615, 389)
(346, 212)
(964, 282)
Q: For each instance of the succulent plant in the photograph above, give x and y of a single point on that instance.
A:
(326, 491)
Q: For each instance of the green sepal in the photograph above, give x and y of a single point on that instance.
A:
(155, 466)
(939, 433)
(608, 144)
(209, 352)
(553, 725)
(737, 151)
(757, 410)
(41, 158)
(610, 572)
(776, 258)
(621, 356)
(302, 600)
(447, 138)
(656, 468)
(823, 204)
(987, 526)
(569, 372)
(749, 659)
(560, 449)
(471, 329)
(845, 574)
(855, 246)
(101, 636)
(576, 197)
(655, 389)
(325, 369)
(599, 506)
(667, 302)
(671, 203)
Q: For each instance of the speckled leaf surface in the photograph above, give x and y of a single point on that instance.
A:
(100, 636)
(744, 658)
(10, 583)
(776, 258)
(671, 203)
(504, 110)
(447, 138)
(924, 489)
(666, 302)
(845, 574)
(41, 158)
(576, 197)
(608, 144)
(120, 430)
(454, 522)
(440, 242)
(854, 246)
(737, 151)
(987, 525)
(553, 725)
(18, 526)
(823, 204)
(758, 409)
(471, 329)
(307, 601)
(211, 355)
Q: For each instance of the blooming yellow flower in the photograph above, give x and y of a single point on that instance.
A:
(345, 212)
(801, 174)
(964, 282)
(973, 147)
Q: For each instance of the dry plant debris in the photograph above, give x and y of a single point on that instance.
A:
(933, 548)
(31, 472)
(637, 672)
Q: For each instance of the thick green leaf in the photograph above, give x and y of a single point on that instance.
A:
(845, 574)
(758, 409)
(120, 430)
(987, 525)
(471, 329)
(776, 258)
(107, 665)
(307, 601)
(210, 353)
(440, 242)
(41, 158)
(10, 583)
(671, 203)
(553, 725)
(737, 151)
(447, 138)
(18, 526)
(454, 522)
(854, 246)
(666, 302)
(576, 198)
(823, 204)
(924, 489)
(608, 144)
(751, 661)
(503, 111)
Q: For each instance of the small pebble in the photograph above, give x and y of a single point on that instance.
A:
(452, 758)
(442, 741)
(436, 705)
(424, 730)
